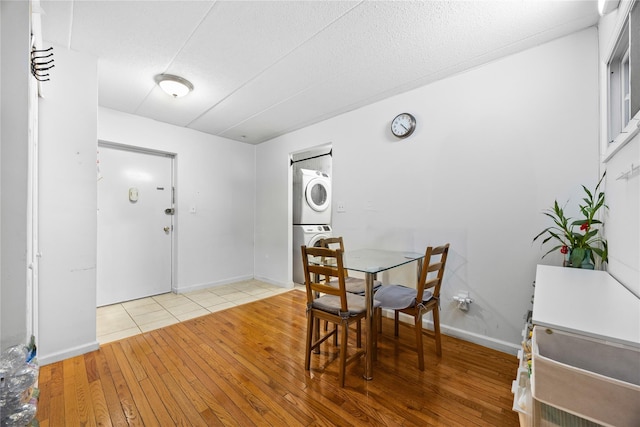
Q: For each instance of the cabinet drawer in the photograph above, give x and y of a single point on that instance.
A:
(590, 378)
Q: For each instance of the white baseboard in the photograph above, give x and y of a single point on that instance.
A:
(66, 354)
(197, 287)
(289, 285)
(483, 340)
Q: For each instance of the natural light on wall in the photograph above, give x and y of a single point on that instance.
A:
(606, 6)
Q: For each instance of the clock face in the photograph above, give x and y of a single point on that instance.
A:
(403, 125)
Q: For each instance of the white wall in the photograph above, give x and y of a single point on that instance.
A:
(14, 118)
(68, 203)
(493, 148)
(622, 221)
(216, 176)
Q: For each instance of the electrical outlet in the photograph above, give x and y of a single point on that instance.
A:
(463, 300)
(341, 207)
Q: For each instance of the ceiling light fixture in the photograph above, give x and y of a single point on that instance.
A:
(174, 85)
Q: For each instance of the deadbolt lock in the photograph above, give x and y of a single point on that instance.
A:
(169, 211)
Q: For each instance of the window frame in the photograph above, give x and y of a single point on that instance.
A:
(623, 114)
(618, 89)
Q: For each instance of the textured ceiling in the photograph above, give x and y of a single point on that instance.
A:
(265, 68)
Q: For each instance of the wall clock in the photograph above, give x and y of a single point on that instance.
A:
(403, 125)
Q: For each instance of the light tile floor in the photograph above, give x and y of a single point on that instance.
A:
(118, 321)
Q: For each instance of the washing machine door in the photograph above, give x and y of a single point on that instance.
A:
(318, 194)
(314, 241)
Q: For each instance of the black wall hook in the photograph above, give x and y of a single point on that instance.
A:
(39, 64)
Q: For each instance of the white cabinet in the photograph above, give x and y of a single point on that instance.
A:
(585, 352)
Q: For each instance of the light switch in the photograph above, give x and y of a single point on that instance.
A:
(133, 194)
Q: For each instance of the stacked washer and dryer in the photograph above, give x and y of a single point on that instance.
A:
(311, 213)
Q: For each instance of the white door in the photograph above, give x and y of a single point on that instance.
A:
(134, 230)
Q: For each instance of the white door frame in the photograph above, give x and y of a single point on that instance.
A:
(33, 251)
(174, 191)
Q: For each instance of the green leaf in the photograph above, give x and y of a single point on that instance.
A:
(591, 233)
(541, 233)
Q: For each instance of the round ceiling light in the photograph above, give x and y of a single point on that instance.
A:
(175, 86)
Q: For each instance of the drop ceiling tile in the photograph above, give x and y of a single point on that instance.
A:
(347, 66)
(135, 30)
(117, 80)
(263, 68)
(236, 42)
(239, 40)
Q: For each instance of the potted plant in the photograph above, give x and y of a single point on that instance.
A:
(582, 244)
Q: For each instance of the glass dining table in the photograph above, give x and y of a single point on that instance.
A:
(371, 262)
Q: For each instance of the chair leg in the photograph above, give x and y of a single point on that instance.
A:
(307, 354)
(419, 348)
(335, 336)
(344, 329)
(359, 334)
(316, 329)
(436, 330)
(396, 323)
(378, 312)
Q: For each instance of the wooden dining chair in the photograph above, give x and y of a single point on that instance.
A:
(416, 302)
(330, 303)
(353, 285)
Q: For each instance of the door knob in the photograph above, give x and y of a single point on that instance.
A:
(166, 229)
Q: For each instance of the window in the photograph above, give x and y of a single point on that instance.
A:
(619, 92)
(624, 77)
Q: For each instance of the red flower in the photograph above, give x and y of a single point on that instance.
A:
(564, 250)
(584, 226)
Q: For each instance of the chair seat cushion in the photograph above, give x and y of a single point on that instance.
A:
(331, 303)
(397, 296)
(355, 285)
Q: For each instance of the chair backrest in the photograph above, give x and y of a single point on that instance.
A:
(328, 242)
(333, 243)
(327, 263)
(433, 270)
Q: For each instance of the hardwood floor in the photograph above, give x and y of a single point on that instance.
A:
(244, 366)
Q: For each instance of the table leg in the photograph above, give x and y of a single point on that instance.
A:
(368, 357)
